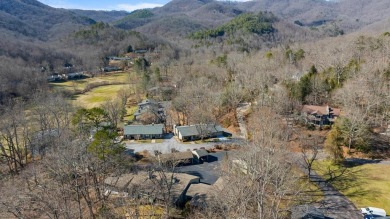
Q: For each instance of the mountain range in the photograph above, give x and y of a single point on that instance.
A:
(30, 18)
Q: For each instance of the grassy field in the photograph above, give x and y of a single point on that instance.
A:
(365, 185)
(97, 96)
(81, 84)
(130, 110)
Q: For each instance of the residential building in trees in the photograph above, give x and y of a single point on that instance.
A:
(320, 115)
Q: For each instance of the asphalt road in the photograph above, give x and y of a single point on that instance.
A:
(334, 205)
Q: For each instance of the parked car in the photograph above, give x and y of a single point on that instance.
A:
(375, 217)
(372, 212)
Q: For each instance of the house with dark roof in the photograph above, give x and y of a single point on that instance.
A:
(111, 68)
(194, 132)
(55, 78)
(152, 131)
(203, 194)
(320, 115)
(74, 76)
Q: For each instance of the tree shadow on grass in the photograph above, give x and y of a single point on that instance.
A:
(347, 180)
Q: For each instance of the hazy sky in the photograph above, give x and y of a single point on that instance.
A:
(127, 5)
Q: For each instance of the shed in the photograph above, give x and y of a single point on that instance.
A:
(201, 154)
(143, 131)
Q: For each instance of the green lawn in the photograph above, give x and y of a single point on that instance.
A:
(97, 96)
(130, 113)
(365, 185)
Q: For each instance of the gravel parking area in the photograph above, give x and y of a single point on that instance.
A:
(169, 143)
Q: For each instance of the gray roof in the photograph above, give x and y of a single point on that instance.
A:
(201, 152)
(187, 130)
(155, 129)
(193, 130)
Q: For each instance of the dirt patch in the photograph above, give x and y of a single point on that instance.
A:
(229, 121)
(144, 157)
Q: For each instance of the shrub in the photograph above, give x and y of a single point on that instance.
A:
(311, 127)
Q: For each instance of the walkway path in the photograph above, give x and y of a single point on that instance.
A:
(241, 109)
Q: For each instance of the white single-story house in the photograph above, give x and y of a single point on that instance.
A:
(193, 132)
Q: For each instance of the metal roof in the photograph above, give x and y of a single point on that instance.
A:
(200, 153)
(154, 129)
(194, 130)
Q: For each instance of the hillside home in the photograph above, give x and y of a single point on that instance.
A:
(74, 75)
(54, 78)
(320, 115)
(153, 131)
(111, 68)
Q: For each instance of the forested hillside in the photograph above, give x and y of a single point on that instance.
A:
(196, 109)
(34, 19)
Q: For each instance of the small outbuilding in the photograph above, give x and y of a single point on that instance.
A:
(201, 155)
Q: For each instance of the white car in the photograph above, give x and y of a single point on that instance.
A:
(373, 211)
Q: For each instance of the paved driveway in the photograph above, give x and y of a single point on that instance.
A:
(208, 172)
